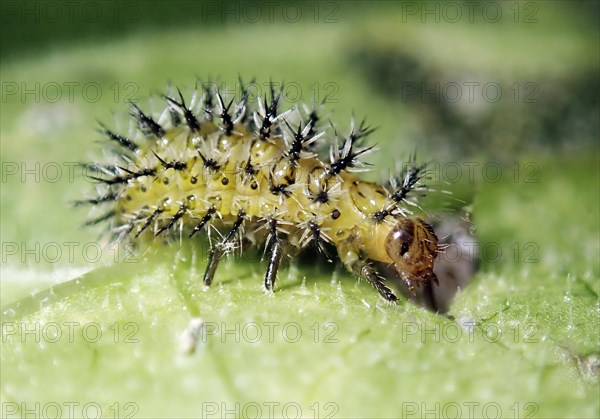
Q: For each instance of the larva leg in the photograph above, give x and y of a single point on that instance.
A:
(274, 261)
(275, 255)
(217, 251)
(350, 257)
(364, 270)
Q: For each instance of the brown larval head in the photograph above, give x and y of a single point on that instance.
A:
(413, 246)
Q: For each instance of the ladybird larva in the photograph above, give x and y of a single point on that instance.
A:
(251, 172)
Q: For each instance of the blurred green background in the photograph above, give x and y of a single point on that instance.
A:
(502, 96)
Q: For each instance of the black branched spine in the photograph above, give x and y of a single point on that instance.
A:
(190, 119)
(224, 115)
(409, 179)
(146, 124)
(122, 141)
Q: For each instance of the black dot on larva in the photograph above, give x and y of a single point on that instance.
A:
(253, 186)
(166, 181)
(335, 214)
(193, 180)
(225, 181)
(143, 188)
(128, 197)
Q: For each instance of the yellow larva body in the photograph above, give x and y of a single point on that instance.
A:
(199, 188)
(260, 180)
